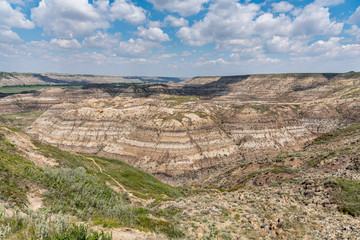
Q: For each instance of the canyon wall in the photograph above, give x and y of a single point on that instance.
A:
(182, 139)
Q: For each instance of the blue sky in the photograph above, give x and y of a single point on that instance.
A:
(182, 38)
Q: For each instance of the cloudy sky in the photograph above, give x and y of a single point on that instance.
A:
(179, 37)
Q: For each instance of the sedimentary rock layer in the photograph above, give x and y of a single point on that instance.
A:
(174, 144)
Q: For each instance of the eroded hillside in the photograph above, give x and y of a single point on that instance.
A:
(183, 139)
(266, 156)
(16, 79)
(305, 194)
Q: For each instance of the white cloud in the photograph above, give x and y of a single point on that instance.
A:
(68, 18)
(282, 6)
(176, 22)
(202, 62)
(10, 17)
(153, 34)
(328, 2)
(8, 36)
(315, 20)
(101, 41)
(225, 20)
(183, 7)
(65, 43)
(355, 17)
(154, 24)
(286, 45)
(166, 56)
(137, 47)
(355, 32)
(125, 10)
(229, 21)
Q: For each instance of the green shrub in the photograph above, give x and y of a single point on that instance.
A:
(348, 196)
(40, 226)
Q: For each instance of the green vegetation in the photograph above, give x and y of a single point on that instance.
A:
(136, 181)
(6, 75)
(180, 100)
(79, 188)
(282, 169)
(13, 174)
(316, 160)
(25, 88)
(287, 156)
(348, 195)
(140, 183)
(20, 120)
(331, 136)
(258, 107)
(41, 226)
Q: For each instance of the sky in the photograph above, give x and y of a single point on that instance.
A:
(181, 38)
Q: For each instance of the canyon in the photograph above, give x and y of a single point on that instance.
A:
(272, 156)
(184, 132)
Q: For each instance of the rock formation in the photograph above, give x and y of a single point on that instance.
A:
(181, 139)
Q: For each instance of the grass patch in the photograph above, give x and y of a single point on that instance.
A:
(348, 195)
(282, 169)
(331, 136)
(14, 176)
(180, 100)
(140, 183)
(21, 120)
(316, 160)
(136, 180)
(258, 107)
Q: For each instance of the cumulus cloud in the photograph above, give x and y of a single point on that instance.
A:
(10, 17)
(315, 20)
(8, 36)
(137, 47)
(282, 6)
(65, 43)
(101, 40)
(68, 18)
(183, 7)
(228, 20)
(355, 17)
(153, 34)
(176, 22)
(125, 10)
(355, 32)
(225, 20)
(280, 44)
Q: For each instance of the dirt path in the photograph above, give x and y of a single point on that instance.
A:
(131, 197)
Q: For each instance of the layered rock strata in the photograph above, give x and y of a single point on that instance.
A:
(177, 146)
(46, 98)
(181, 139)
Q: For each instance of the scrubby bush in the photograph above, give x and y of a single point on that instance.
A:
(31, 225)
